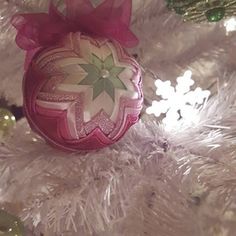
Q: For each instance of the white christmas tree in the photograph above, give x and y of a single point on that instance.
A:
(171, 177)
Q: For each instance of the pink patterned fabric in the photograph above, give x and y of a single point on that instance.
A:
(111, 20)
(64, 111)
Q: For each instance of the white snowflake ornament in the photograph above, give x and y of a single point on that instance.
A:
(180, 104)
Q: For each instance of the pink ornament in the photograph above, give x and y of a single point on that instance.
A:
(83, 93)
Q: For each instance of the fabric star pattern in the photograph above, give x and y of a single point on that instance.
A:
(103, 76)
(88, 93)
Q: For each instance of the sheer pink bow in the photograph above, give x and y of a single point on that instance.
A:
(109, 20)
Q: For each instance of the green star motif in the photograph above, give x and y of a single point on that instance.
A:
(103, 76)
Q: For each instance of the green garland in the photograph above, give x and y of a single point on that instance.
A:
(203, 10)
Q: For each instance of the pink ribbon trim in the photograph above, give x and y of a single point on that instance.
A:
(111, 19)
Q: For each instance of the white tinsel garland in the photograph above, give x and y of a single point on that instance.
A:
(152, 181)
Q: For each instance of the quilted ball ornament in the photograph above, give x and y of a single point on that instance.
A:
(83, 93)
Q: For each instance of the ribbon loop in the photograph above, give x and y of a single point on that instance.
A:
(111, 19)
